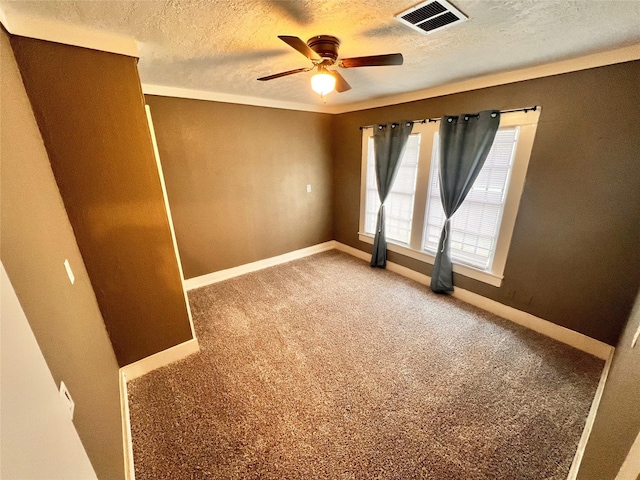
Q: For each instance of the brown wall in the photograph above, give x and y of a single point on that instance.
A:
(576, 245)
(36, 238)
(89, 107)
(236, 179)
(617, 422)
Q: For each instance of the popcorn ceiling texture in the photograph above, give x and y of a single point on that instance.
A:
(324, 368)
(224, 45)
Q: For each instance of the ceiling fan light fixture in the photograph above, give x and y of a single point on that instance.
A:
(323, 83)
(322, 50)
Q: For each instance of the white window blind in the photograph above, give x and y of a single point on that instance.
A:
(476, 224)
(400, 201)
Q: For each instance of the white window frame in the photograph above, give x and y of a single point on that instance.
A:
(528, 123)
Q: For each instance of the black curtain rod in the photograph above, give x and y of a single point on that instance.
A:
(430, 120)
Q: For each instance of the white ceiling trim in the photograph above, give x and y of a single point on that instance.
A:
(163, 91)
(620, 55)
(59, 32)
(55, 31)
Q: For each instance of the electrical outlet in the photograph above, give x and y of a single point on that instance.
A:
(309, 188)
(67, 267)
(66, 397)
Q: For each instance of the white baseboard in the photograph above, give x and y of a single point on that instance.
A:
(577, 340)
(129, 471)
(160, 359)
(562, 334)
(210, 278)
(354, 252)
(135, 370)
(582, 444)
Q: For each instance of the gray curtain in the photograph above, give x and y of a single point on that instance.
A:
(465, 142)
(389, 141)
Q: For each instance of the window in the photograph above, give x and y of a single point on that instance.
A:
(476, 224)
(399, 205)
(481, 229)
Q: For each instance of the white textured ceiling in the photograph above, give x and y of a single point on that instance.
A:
(222, 46)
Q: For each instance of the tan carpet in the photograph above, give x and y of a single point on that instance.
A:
(324, 368)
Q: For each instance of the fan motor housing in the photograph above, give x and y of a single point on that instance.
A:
(326, 46)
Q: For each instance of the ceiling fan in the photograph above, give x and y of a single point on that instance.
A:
(322, 50)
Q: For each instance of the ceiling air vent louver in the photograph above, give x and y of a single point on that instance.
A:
(431, 16)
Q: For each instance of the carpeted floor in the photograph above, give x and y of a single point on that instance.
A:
(324, 368)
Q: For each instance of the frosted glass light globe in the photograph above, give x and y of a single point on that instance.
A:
(323, 83)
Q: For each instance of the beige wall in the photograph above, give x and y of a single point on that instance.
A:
(90, 111)
(576, 245)
(36, 433)
(236, 179)
(617, 423)
(36, 237)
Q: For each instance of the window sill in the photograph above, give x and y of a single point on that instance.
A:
(483, 276)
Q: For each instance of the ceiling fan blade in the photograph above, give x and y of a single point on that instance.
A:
(299, 45)
(372, 61)
(284, 74)
(341, 83)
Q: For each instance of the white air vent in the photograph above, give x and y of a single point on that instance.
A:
(431, 16)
